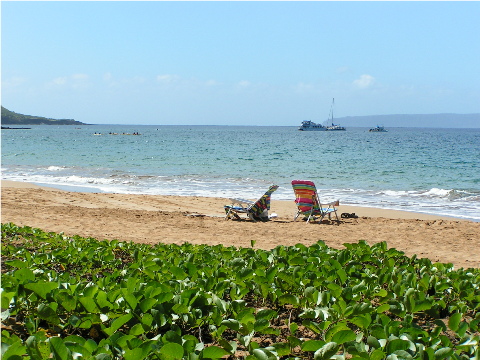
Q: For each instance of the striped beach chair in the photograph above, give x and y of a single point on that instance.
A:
(256, 211)
(308, 202)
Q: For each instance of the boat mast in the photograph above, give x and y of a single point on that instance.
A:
(331, 111)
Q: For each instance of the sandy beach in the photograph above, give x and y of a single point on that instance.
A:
(200, 220)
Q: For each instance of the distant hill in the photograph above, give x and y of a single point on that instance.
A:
(12, 118)
(408, 120)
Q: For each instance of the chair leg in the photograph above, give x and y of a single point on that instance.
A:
(227, 216)
(310, 216)
(296, 216)
(338, 221)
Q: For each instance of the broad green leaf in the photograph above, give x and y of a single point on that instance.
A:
(335, 329)
(214, 352)
(288, 299)
(164, 297)
(342, 275)
(335, 289)
(403, 355)
(134, 354)
(282, 349)
(266, 314)
(41, 288)
(59, 350)
(5, 314)
(7, 298)
(13, 351)
(136, 330)
(130, 299)
(381, 293)
(468, 341)
(422, 306)
(264, 354)
(102, 301)
(18, 264)
(45, 312)
(32, 348)
(89, 304)
(373, 342)
(443, 353)
(245, 274)
(362, 321)
(190, 343)
(66, 300)
(147, 304)
(397, 344)
(383, 308)
(118, 323)
(172, 336)
(377, 354)
(297, 260)
(24, 275)
(462, 329)
(312, 345)
(90, 291)
(326, 351)
(454, 321)
(261, 324)
(180, 309)
(178, 273)
(344, 336)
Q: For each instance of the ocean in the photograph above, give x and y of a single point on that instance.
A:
(426, 170)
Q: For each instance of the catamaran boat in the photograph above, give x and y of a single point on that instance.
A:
(334, 127)
(308, 125)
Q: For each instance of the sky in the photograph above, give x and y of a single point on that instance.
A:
(238, 63)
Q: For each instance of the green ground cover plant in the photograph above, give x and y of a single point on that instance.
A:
(68, 297)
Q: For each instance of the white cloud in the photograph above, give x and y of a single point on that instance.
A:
(167, 78)
(364, 81)
(107, 76)
(138, 80)
(59, 81)
(13, 82)
(75, 81)
(79, 77)
(303, 87)
(244, 83)
(343, 69)
(212, 83)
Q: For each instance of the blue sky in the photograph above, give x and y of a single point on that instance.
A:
(239, 63)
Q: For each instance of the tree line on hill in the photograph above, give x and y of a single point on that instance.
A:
(12, 118)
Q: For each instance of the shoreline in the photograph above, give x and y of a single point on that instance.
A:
(284, 206)
(171, 219)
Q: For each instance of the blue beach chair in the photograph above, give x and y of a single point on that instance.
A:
(255, 211)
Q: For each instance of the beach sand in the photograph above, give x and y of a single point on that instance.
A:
(200, 220)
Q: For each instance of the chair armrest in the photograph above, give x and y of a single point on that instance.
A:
(333, 203)
(241, 202)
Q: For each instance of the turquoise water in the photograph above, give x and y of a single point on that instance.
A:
(434, 171)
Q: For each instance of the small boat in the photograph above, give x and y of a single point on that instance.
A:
(308, 125)
(378, 128)
(334, 127)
